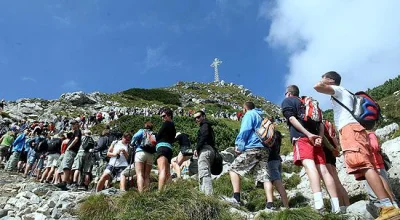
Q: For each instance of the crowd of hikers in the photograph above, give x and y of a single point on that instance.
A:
(66, 158)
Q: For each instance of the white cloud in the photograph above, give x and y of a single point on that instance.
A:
(28, 79)
(157, 58)
(71, 86)
(357, 38)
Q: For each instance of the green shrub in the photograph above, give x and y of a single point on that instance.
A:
(4, 114)
(180, 200)
(292, 182)
(298, 201)
(289, 167)
(164, 96)
(299, 214)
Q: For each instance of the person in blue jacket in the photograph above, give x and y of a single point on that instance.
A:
(18, 147)
(252, 155)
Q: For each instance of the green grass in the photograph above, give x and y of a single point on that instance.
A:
(160, 95)
(180, 200)
(286, 146)
(299, 214)
(291, 182)
(289, 167)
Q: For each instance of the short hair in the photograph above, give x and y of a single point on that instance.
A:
(127, 134)
(168, 112)
(250, 105)
(201, 113)
(105, 132)
(334, 76)
(148, 125)
(294, 90)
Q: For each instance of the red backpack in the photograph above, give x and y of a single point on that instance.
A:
(330, 135)
(310, 110)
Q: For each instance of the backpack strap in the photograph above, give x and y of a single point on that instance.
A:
(344, 106)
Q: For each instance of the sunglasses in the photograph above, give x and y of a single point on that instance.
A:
(286, 93)
(197, 117)
(163, 116)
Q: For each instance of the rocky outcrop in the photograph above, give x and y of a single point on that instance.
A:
(78, 98)
(385, 132)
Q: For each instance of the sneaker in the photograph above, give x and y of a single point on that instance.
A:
(270, 206)
(62, 186)
(389, 213)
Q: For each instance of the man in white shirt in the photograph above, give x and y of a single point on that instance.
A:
(118, 153)
(354, 141)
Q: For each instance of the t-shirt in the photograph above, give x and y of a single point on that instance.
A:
(7, 140)
(77, 133)
(275, 150)
(183, 140)
(341, 115)
(166, 133)
(291, 106)
(64, 145)
(121, 161)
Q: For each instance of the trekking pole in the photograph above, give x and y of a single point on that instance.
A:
(129, 168)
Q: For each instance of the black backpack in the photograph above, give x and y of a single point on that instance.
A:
(41, 145)
(217, 165)
(88, 143)
(54, 145)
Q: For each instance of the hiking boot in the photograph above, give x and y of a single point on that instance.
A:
(389, 213)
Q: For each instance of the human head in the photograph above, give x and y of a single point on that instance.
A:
(74, 124)
(148, 125)
(199, 116)
(332, 78)
(292, 90)
(126, 137)
(247, 106)
(167, 114)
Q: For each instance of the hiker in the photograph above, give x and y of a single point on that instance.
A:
(306, 135)
(70, 154)
(354, 141)
(118, 153)
(23, 158)
(143, 156)
(59, 171)
(18, 147)
(380, 167)
(275, 177)
(252, 155)
(205, 151)
(165, 138)
(2, 104)
(331, 148)
(53, 154)
(83, 162)
(100, 150)
(185, 152)
(6, 142)
(37, 155)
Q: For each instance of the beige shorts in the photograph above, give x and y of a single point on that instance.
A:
(52, 160)
(144, 157)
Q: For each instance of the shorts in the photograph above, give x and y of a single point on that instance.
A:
(23, 157)
(114, 172)
(303, 149)
(255, 160)
(275, 170)
(52, 160)
(83, 162)
(330, 159)
(129, 171)
(4, 151)
(186, 151)
(356, 150)
(33, 157)
(68, 159)
(60, 159)
(144, 157)
(165, 152)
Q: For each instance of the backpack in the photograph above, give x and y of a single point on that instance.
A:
(266, 132)
(42, 145)
(365, 109)
(148, 143)
(54, 145)
(330, 135)
(88, 143)
(217, 165)
(310, 110)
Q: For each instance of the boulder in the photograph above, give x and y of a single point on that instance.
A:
(358, 210)
(77, 98)
(385, 132)
(34, 216)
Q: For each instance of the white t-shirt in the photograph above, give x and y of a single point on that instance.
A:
(341, 115)
(121, 161)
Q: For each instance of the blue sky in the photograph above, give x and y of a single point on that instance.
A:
(50, 47)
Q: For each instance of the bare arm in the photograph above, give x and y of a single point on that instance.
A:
(312, 137)
(73, 143)
(324, 88)
(110, 151)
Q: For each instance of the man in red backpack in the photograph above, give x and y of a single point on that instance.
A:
(354, 141)
(307, 146)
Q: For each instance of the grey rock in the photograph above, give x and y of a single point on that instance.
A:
(227, 156)
(3, 201)
(33, 198)
(34, 216)
(385, 132)
(359, 210)
(3, 212)
(46, 210)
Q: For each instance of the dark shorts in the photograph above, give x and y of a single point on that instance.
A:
(330, 159)
(165, 152)
(114, 172)
(23, 156)
(186, 151)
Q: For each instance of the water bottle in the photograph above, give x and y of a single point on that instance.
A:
(185, 173)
